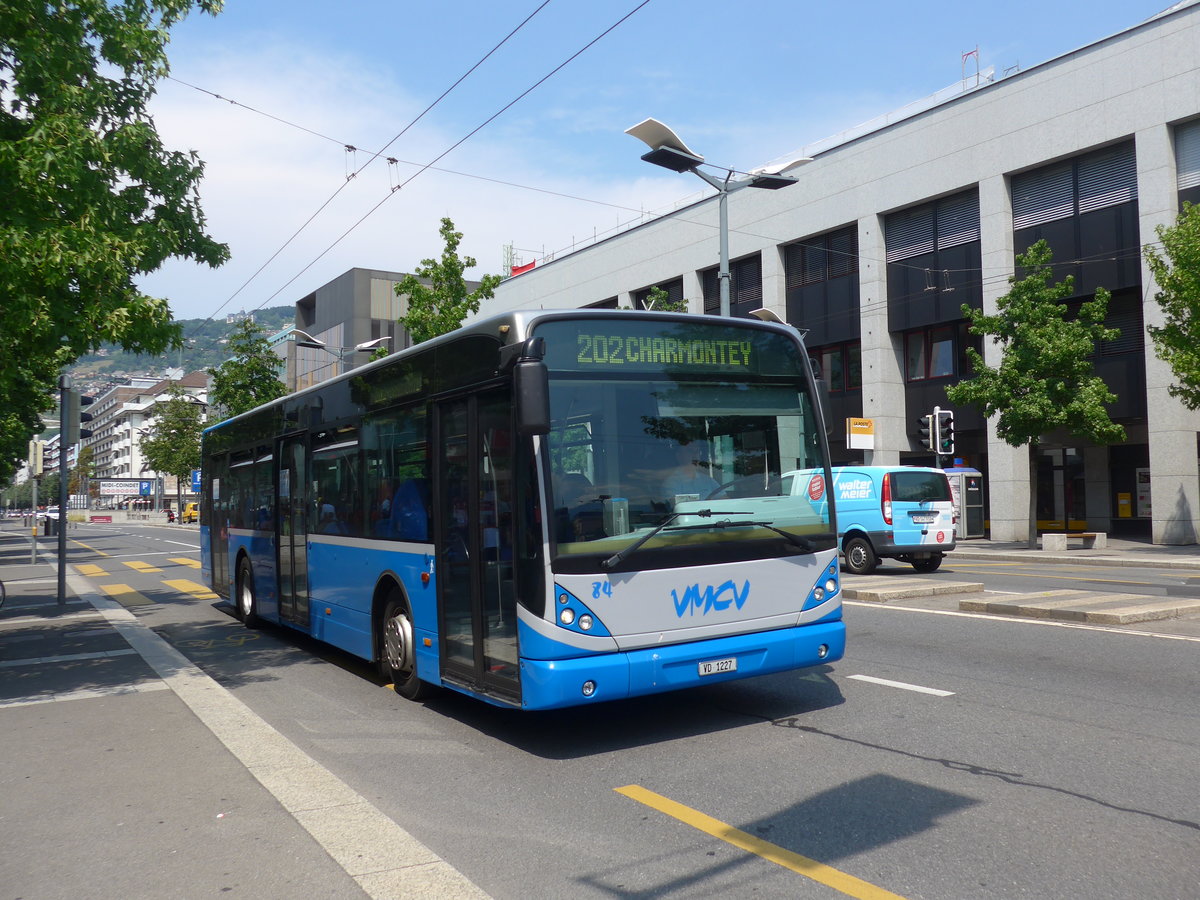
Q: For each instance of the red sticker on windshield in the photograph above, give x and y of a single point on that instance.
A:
(816, 488)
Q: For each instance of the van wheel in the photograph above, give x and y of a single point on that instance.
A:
(247, 604)
(860, 556)
(928, 565)
(397, 650)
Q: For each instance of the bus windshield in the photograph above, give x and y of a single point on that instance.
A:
(682, 429)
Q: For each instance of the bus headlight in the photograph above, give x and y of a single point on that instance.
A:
(818, 594)
(585, 622)
(822, 651)
(589, 688)
(831, 585)
(566, 615)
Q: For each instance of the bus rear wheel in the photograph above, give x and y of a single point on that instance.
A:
(397, 650)
(246, 605)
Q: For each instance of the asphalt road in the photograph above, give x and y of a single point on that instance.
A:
(947, 756)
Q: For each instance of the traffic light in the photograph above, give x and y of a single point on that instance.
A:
(925, 432)
(37, 451)
(945, 432)
(73, 416)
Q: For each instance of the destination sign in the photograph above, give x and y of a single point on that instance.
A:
(619, 350)
(613, 344)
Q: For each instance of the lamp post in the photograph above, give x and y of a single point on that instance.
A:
(307, 340)
(668, 150)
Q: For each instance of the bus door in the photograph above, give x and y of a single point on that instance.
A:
(293, 532)
(474, 522)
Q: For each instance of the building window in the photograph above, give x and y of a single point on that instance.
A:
(822, 285)
(1187, 161)
(841, 366)
(745, 288)
(929, 353)
(933, 261)
(1086, 209)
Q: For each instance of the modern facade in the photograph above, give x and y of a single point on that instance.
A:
(891, 229)
(120, 417)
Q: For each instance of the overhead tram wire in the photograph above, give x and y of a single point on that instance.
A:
(458, 144)
(374, 156)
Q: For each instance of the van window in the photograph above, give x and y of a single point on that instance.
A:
(913, 487)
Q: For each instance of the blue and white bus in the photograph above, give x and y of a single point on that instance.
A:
(542, 509)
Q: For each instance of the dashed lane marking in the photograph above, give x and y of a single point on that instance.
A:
(185, 561)
(90, 570)
(144, 567)
(904, 686)
(199, 591)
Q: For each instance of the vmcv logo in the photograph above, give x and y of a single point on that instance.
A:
(702, 601)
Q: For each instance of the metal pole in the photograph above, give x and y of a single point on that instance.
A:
(723, 272)
(33, 550)
(64, 470)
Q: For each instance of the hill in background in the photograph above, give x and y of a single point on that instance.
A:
(206, 341)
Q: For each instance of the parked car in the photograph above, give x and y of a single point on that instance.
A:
(191, 513)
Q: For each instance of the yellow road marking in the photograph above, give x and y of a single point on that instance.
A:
(185, 561)
(91, 570)
(810, 868)
(144, 568)
(93, 549)
(125, 595)
(199, 591)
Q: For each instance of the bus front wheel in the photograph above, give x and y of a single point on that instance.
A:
(247, 603)
(398, 652)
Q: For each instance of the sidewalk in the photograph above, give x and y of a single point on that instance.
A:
(128, 773)
(1123, 551)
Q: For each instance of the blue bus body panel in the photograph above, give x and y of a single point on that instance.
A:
(551, 684)
(342, 581)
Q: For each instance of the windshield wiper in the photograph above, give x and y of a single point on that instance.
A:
(617, 557)
(620, 555)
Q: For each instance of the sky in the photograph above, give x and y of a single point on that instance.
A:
(529, 149)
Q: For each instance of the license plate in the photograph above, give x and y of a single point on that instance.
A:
(716, 666)
(925, 519)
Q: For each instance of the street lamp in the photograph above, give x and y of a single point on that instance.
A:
(668, 150)
(340, 352)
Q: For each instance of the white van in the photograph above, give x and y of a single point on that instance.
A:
(894, 512)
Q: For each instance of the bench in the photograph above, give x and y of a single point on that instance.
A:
(1092, 540)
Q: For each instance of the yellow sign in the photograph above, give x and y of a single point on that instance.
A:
(860, 434)
(1124, 505)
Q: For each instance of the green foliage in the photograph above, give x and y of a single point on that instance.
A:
(1177, 273)
(438, 300)
(250, 377)
(1045, 379)
(173, 444)
(660, 301)
(90, 199)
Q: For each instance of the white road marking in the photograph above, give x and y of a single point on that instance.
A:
(902, 685)
(1017, 620)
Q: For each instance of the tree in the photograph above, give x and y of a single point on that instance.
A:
(660, 300)
(90, 199)
(250, 377)
(437, 292)
(1045, 379)
(1177, 273)
(173, 443)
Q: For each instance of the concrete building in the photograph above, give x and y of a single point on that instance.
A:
(120, 417)
(894, 226)
(356, 307)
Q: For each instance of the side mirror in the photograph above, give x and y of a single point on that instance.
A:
(531, 389)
